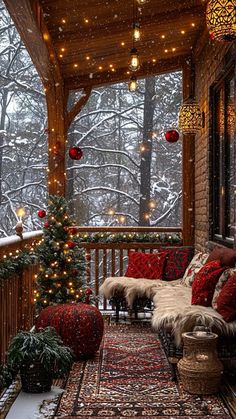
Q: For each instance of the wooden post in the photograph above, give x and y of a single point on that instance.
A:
(188, 167)
(57, 135)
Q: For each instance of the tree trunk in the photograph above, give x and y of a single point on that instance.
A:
(146, 152)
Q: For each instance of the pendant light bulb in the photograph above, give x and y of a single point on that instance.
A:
(133, 84)
(134, 60)
(142, 1)
(137, 32)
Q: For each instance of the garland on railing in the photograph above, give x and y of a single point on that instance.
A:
(15, 264)
(162, 238)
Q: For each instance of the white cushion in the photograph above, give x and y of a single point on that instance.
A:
(195, 265)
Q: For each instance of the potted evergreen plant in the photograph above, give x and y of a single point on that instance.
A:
(40, 357)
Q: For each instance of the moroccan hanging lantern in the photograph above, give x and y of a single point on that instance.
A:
(75, 153)
(134, 60)
(221, 20)
(133, 84)
(190, 117)
(172, 136)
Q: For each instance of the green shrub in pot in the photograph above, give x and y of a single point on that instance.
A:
(40, 357)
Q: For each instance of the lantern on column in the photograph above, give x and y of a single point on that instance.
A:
(190, 117)
(221, 20)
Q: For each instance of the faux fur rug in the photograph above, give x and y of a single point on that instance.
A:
(130, 377)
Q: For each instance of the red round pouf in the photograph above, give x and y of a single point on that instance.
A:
(79, 325)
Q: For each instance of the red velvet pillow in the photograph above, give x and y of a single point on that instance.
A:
(226, 302)
(224, 254)
(204, 283)
(177, 262)
(146, 265)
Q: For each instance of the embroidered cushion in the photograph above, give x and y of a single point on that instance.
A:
(226, 302)
(195, 265)
(146, 265)
(204, 283)
(220, 284)
(225, 255)
(176, 262)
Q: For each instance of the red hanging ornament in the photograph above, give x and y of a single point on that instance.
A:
(75, 153)
(74, 272)
(71, 245)
(73, 230)
(41, 213)
(46, 224)
(88, 291)
(172, 136)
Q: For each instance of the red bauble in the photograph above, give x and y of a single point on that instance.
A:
(79, 325)
(46, 224)
(88, 291)
(75, 153)
(172, 136)
(71, 245)
(41, 213)
(74, 272)
(73, 230)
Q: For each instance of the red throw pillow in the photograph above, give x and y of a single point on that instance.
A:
(225, 255)
(204, 283)
(177, 261)
(146, 265)
(226, 302)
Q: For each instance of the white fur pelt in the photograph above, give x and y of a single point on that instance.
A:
(132, 287)
(173, 307)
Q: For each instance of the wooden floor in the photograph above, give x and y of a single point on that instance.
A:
(228, 394)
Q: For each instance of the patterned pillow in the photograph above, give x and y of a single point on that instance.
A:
(222, 280)
(146, 265)
(195, 265)
(204, 283)
(226, 302)
(176, 262)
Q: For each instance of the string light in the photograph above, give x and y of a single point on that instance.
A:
(136, 32)
(134, 60)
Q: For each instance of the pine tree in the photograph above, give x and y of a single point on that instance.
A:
(62, 262)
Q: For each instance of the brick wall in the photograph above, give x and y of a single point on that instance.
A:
(207, 67)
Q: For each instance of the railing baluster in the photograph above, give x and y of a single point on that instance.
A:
(96, 273)
(104, 274)
(121, 256)
(113, 262)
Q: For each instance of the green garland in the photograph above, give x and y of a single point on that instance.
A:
(16, 264)
(159, 238)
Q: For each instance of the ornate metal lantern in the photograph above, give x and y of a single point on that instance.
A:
(221, 19)
(190, 117)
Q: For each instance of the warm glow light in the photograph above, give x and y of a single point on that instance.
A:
(166, 50)
(154, 60)
(45, 36)
(183, 32)
(221, 19)
(132, 84)
(110, 65)
(20, 212)
(163, 36)
(193, 24)
(100, 67)
(122, 44)
(61, 55)
(142, 148)
(113, 70)
(134, 60)
(142, 1)
(86, 20)
(62, 49)
(63, 20)
(173, 49)
(75, 65)
(152, 204)
(87, 57)
(111, 211)
(122, 219)
(137, 32)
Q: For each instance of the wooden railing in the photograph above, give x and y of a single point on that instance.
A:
(110, 259)
(103, 259)
(16, 291)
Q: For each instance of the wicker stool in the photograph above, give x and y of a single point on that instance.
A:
(200, 369)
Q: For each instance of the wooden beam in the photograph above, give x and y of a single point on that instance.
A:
(78, 106)
(108, 77)
(28, 19)
(188, 171)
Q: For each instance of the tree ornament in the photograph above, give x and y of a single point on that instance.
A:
(41, 213)
(172, 136)
(71, 244)
(46, 224)
(75, 153)
(73, 230)
(88, 291)
(79, 325)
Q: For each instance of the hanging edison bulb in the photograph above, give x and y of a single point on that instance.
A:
(133, 84)
(134, 60)
(136, 32)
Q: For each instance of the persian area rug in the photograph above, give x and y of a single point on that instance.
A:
(130, 377)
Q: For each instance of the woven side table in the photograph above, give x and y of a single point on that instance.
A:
(200, 369)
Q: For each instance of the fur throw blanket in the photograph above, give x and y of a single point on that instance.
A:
(133, 288)
(173, 308)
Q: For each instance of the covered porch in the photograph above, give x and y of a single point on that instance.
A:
(77, 46)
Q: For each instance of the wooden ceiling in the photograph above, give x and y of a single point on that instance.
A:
(91, 39)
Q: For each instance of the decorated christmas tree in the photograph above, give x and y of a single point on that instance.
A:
(62, 262)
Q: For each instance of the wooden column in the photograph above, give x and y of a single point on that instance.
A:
(188, 168)
(57, 135)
